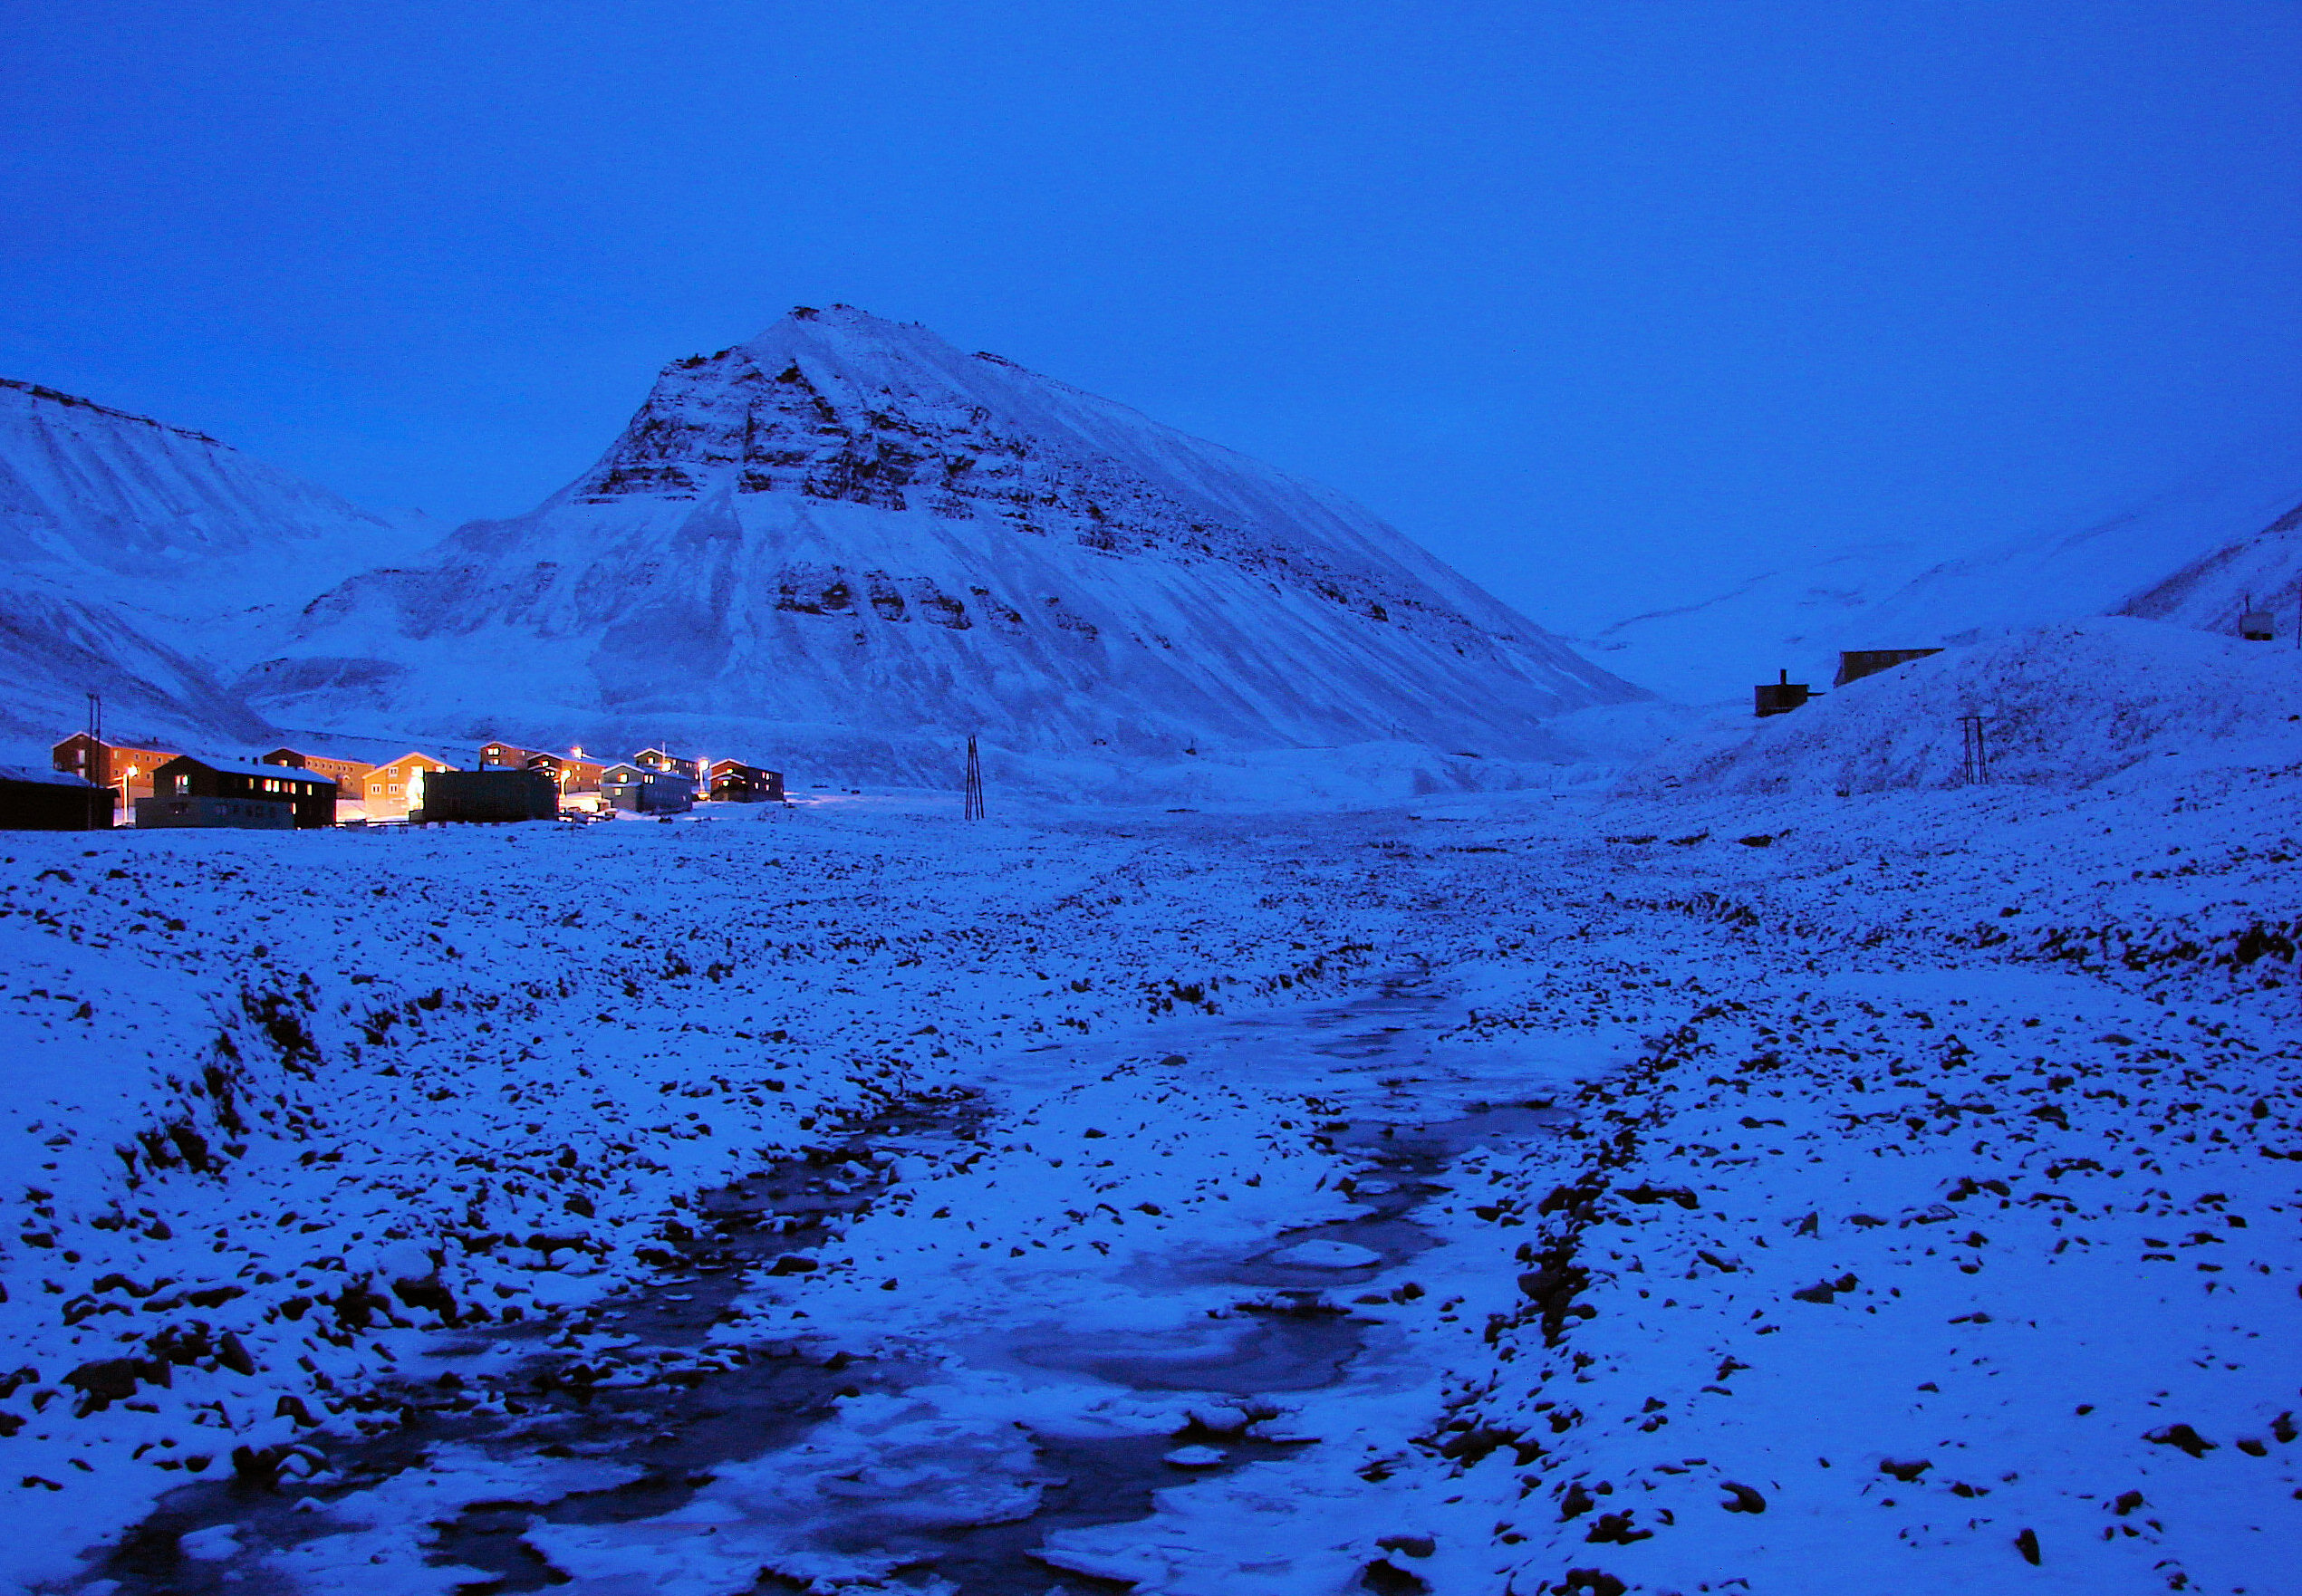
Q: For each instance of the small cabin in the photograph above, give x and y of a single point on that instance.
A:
(487, 797)
(36, 800)
(1780, 697)
(188, 791)
(637, 790)
(2256, 626)
(732, 782)
(1854, 664)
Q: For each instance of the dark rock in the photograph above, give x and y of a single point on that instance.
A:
(2183, 1436)
(1615, 1527)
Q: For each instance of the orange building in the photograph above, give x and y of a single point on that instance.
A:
(347, 774)
(126, 770)
(394, 787)
(504, 755)
(572, 772)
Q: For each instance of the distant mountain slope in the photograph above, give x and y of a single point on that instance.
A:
(2063, 706)
(58, 645)
(134, 557)
(848, 541)
(2103, 568)
(2263, 572)
(169, 518)
(2190, 555)
(1714, 648)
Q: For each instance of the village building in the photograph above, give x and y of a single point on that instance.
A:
(36, 800)
(191, 792)
(488, 795)
(732, 782)
(671, 764)
(347, 774)
(638, 790)
(128, 772)
(505, 756)
(394, 787)
(571, 773)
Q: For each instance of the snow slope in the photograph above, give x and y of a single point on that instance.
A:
(2263, 572)
(2189, 554)
(1912, 1211)
(847, 544)
(138, 559)
(169, 520)
(2062, 706)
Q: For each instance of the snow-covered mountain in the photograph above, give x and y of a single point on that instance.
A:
(2193, 553)
(2259, 573)
(849, 545)
(135, 557)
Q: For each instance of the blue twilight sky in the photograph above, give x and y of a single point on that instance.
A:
(1608, 301)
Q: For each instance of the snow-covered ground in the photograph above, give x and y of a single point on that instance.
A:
(1713, 1190)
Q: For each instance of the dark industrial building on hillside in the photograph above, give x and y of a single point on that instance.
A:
(1780, 697)
(1854, 664)
(488, 795)
(188, 791)
(35, 800)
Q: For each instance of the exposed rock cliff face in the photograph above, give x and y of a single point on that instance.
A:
(849, 542)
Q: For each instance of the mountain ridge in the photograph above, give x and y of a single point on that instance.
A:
(847, 537)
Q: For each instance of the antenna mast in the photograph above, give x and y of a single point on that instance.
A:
(975, 783)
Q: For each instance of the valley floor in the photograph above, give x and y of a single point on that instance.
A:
(1501, 1194)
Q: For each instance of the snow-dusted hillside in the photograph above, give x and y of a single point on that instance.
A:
(849, 545)
(1709, 650)
(2260, 573)
(135, 559)
(1497, 1193)
(2190, 554)
(2061, 705)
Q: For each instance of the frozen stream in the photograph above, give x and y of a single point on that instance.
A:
(660, 1442)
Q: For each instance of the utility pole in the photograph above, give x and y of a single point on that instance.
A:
(96, 716)
(1976, 766)
(975, 783)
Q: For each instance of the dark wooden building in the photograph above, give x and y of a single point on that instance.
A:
(487, 797)
(637, 790)
(241, 789)
(1854, 664)
(732, 782)
(36, 800)
(1780, 697)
